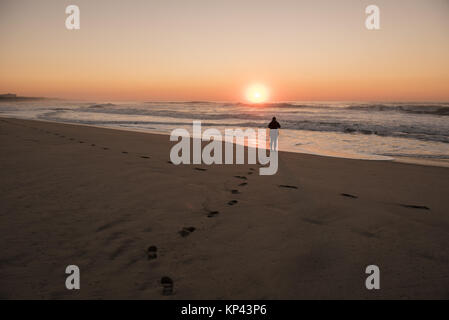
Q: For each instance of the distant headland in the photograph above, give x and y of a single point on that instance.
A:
(15, 97)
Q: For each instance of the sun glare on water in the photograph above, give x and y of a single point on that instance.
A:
(257, 93)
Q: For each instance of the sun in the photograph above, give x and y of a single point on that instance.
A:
(257, 93)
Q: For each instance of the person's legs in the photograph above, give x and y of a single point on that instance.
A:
(273, 140)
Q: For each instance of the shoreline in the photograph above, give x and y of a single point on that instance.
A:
(405, 160)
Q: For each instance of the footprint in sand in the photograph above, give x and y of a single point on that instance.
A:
(412, 206)
(286, 186)
(167, 286)
(232, 202)
(186, 231)
(366, 234)
(234, 191)
(200, 169)
(313, 221)
(212, 214)
(243, 184)
(152, 252)
(349, 195)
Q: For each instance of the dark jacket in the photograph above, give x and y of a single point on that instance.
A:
(274, 125)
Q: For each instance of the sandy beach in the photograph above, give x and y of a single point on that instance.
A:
(99, 198)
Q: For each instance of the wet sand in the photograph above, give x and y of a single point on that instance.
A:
(110, 202)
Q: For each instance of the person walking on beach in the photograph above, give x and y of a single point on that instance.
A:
(274, 127)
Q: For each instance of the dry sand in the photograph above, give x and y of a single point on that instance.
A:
(66, 199)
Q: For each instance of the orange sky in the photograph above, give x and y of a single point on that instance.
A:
(214, 50)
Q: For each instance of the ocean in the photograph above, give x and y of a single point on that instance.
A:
(356, 130)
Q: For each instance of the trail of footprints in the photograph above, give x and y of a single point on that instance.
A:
(79, 141)
(167, 283)
(152, 251)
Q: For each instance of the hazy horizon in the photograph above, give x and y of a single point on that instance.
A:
(202, 51)
(241, 101)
